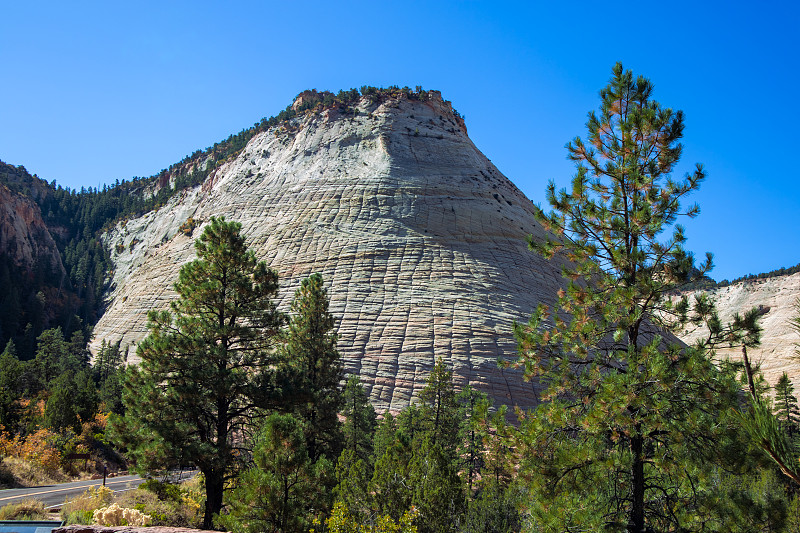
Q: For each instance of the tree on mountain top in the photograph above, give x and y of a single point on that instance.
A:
(206, 365)
(633, 420)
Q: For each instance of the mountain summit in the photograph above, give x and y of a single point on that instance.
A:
(419, 238)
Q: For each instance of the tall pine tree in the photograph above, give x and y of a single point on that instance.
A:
(632, 420)
(311, 359)
(786, 409)
(207, 365)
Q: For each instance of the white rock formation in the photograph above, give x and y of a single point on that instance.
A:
(776, 297)
(420, 240)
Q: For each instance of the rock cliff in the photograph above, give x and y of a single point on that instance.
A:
(420, 240)
(24, 237)
(776, 297)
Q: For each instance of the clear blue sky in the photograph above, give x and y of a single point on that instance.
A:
(94, 92)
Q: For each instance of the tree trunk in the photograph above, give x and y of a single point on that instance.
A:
(636, 523)
(214, 487)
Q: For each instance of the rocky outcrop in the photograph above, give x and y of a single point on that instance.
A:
(776, 298)
(24, 237)
(420, 240)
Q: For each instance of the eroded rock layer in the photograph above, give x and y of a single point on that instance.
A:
(420, 240)
(776, 298)
(23, 234)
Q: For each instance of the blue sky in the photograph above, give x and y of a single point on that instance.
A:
(94, 92)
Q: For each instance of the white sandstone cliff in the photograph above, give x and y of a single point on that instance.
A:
(419, 238)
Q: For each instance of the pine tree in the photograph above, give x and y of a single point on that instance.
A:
(438, 491)
(281, 491)
(353, 475)
(108, 374)
(360, 419)
(786, 409)
(633, 419)
(439, 409)
(107, 361)
(436, 441)
(53, 357)
(474, 406)
(311, 358)
(390, 484)
(72, 400)
(206, 366)
(10, 387)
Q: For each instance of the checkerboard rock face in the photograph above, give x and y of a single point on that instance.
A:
(419, 238)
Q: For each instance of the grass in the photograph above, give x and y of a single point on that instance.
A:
(79, 510)
(167, 505)
(25, 510)
(17, 472)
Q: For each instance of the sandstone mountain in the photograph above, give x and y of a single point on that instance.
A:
(776, 297)
(420, 240)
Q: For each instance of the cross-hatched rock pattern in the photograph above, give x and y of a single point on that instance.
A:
(419, 238)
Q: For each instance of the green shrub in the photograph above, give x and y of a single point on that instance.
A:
(79, 510)
(77, 517)
(25, 510)
(183, 512)
(164, 491)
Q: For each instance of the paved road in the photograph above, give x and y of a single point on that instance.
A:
(55, 495)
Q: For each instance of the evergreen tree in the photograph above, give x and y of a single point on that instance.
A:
(385, 434)
(475, 407)
(10, 387)
(108, 374)
(354, 467)
(280, 493)
(390, 484)
(633, 420)
(53, 358)
(438, 491)
(418, 463)
(439, 409)
(353, 475)
(786, 405)
(312, 360)
(360, 419)
(206, 365)
(72, 400)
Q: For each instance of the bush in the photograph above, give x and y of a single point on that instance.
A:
(83, 518)
(164, 491)
(26, 510)
(25, 474)
(7, 479)
(114, 515)
(185, 511)
(40, 449)
(80, 509)
(342, 521)
(188, 227)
